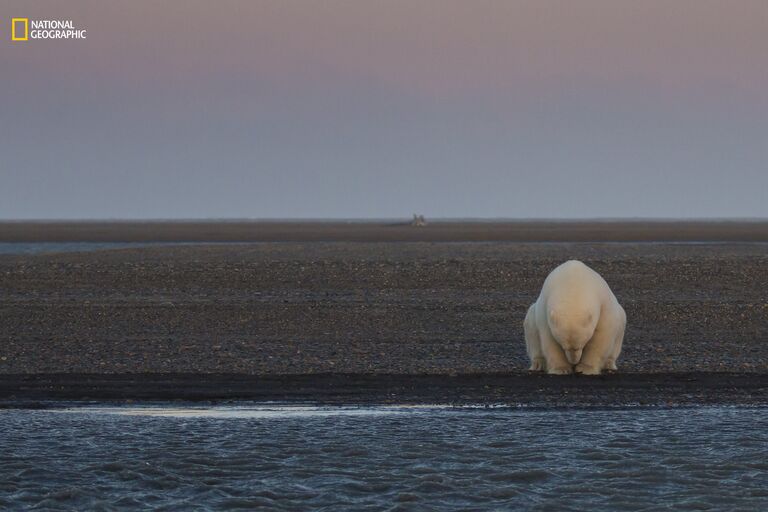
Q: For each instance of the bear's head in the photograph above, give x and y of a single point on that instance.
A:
(572, 329)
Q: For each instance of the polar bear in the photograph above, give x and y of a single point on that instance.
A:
(576, 324)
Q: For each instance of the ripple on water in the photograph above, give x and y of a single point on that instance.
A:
(389, 458)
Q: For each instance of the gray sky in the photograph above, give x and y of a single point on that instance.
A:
(363, 108)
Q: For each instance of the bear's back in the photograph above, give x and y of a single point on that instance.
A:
(575, 280)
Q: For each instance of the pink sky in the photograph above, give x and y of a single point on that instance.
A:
(620, 78)
(433, 48)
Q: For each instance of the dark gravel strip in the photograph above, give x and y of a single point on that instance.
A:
(669, 389)
(385, 231)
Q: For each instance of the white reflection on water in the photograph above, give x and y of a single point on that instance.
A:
(261, 412)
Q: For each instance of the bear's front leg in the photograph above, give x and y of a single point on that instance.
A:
(557, 363)
(597, 353)
(587, 369)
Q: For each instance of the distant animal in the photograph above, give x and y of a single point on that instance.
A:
(418, 221)
(576, 324)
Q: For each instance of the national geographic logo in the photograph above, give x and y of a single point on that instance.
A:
(24, 29)
(19, 29)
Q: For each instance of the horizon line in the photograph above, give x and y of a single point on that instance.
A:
(378, 219)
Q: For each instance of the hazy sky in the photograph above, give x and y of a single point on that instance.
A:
(362, 108)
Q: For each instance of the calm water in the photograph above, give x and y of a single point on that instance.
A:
(54, 247)
(384, 459)
(45, 247)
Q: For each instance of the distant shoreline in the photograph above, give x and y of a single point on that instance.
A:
(387, 231)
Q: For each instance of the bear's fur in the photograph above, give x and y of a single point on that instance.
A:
(576, 324)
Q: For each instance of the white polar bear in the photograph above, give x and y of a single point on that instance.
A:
(576, 324)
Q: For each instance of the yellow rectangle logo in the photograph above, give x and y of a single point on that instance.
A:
(19, 35)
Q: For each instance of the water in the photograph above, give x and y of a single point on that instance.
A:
(384, 459)
(28, 248)
(48, 247)
(54, 247)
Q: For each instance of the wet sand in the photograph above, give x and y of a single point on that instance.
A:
(354, 320)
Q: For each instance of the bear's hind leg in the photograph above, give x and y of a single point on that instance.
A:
(610, 364)
(532, 342)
